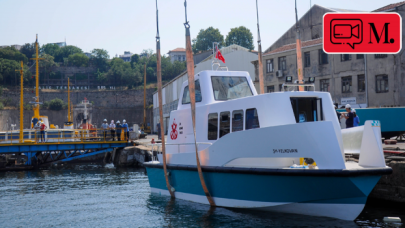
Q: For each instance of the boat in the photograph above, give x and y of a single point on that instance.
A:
(281, 151)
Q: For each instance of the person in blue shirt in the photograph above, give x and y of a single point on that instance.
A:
(126, 130)
(356, 119)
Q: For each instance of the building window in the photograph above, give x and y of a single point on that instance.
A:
(345, 57)
(225, 124)
(237, 120)
(270, 89)
(212, 126)
(307, 59)
(381, 84)
(361, 83)
(269, 65)
(324, 84)
(380, 56)
(347, 84)
(323, 57)
(360, 56)
(252, 119)
(282, 63)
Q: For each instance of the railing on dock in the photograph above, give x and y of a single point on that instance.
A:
(61, 136)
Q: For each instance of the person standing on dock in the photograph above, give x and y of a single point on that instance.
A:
(43, 128)
(104, 126)
(356, 119)
(119, 129)
(126, 130)
(112, 130)
(158, 131)
(349, 116)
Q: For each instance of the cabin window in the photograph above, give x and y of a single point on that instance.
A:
(224, 126)
(237, 120)
(228, 88)
(186, 94)
(252, 119)
(212, 126)
(307, 109)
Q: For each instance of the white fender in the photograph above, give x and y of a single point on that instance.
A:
(371, 153)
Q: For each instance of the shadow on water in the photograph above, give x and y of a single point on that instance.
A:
(180, 213)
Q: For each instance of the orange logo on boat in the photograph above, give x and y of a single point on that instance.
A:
(173, 133)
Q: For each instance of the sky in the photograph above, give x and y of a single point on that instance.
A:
(130, 25)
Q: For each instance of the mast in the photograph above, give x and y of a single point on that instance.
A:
(259, 42)
(21, 103)
(159, 82)
(191, 87)
(144, 94)
(69, 113)
(36, 103)
(299, 54)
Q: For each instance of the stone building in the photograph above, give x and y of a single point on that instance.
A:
(361, 80)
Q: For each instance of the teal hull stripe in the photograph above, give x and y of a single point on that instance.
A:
(269, 188)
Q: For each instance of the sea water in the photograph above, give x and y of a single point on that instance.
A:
(95, 196)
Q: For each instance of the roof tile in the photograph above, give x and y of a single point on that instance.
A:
(390, 6)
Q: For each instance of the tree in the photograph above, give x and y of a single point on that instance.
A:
(78, 59)
(56, 104)
(64, 52)
(134, 59)
(7, 71)
(50, 49)
(99, 58)
(240, 36)
(122, 73)
(28, 50)
(11, 53)
(205, 38)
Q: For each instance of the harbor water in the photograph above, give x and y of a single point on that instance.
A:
(95, 196)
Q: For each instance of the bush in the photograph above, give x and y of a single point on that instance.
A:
(56, 104)
(1, 106)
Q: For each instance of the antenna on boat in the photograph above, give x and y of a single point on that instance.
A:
(159, 83)
(298, 49)
(191, 87)
(259, 43)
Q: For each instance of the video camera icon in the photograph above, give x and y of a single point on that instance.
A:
(346, 31)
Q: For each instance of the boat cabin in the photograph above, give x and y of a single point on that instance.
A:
(227, 101)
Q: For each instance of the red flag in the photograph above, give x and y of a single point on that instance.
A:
(219, 55)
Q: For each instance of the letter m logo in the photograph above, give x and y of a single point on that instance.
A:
(377, 36)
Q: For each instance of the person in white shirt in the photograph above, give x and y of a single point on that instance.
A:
(112, 130)
(104, 126)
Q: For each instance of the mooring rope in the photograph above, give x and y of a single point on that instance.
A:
(299, 54)
(159, 83)
(191, 87)
(259, 43)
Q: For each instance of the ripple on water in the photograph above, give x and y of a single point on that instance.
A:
(111, 197)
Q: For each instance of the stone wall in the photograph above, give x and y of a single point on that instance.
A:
(391, 187)
(133, 115)
(99, 98)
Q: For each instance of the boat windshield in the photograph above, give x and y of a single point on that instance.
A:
(228, 88)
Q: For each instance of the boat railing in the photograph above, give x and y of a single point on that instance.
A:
(159, 145)
(60, 136)
(296, 84)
